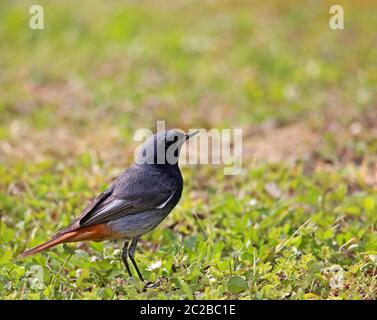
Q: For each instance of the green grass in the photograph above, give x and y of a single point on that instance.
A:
(72, 95)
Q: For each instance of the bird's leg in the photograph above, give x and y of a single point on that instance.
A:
(125, 257)
(131, 254)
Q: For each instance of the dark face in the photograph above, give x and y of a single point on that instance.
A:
(163, 148)
(174, 147)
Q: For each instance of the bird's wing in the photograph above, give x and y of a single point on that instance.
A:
(98, 200)
(91, 207)
(135, 191)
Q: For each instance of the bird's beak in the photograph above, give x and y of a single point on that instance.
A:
(189, 135)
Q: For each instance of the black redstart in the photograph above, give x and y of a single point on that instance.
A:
(135, 203)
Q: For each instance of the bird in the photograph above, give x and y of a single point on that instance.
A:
(136, 202)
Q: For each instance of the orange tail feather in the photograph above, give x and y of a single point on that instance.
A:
(97, 232)
(49, 244)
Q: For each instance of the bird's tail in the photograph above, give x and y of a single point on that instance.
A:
(49, 244)
(96, 232)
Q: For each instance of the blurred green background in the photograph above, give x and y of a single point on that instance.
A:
(299, 220)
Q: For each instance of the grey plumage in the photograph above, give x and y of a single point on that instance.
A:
(131, 204)
(140, 188)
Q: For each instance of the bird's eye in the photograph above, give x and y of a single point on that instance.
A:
(170, 142)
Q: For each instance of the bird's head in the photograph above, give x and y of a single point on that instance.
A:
(163, 148)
